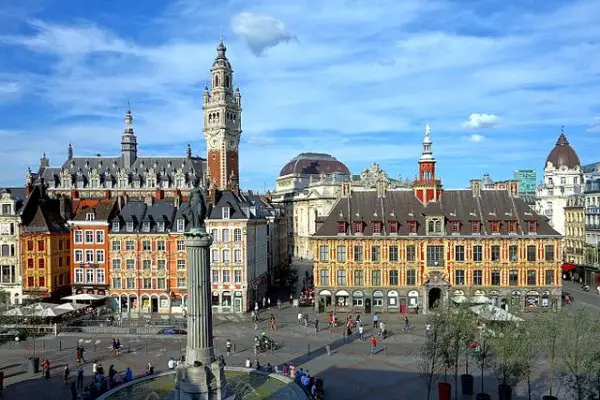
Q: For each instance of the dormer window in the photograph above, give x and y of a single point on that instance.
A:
(532, 227)
(226, 212)
(412, 227)
(146, 226)
(495, 225)
(341, 227)
(435, 226)
(90, 217)
(180, 225)
(511, 226)
(358, 227)
(129, 226)
(116, 226)
(160, 226)
(475, 227)
(376, 228)
(455, 227)
(394, 227)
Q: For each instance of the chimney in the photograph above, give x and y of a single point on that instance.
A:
(107, 195)
(381, 188)
(65, 207)
(28, 189)
(177, 201)
(120, 202)
(212, 193)
(160, 194)
(74, 194)
(149, 201)
(346, 189)
(475, 187)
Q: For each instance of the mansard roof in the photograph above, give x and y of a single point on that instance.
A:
(455, 205)
(103, 210)
(139, 212)
(17, 194)
(42, 214)
(164, 169)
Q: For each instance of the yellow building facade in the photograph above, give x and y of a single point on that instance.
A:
(414, 249)
(574, 241)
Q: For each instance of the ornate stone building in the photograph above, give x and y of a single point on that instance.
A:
(12, 201)
(574, 241)
(399, 249)
(563, 178)
(222, 123)
(309, 185)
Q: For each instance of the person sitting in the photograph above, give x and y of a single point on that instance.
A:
(258, 366)
(128, 375)
(248, 363)
(172, 363)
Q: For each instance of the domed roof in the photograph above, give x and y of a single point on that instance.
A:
(314, 164)
(563, 154)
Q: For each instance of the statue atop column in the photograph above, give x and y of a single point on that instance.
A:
(199, 211)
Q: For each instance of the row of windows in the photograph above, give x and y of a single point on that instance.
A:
(91, 256)
(358, 277)
(90, 276)
(41, 245)
(435, 254)
(224, 276)
(8, 250)
(59, 280)
(88, 237)
(225, 235)
(146, 245)
(226, 256)
(435, 226)
(42, 263)
(147, 283)
(160, 226)
(130, 263)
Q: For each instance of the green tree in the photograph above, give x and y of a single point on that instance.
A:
(460, 326)
(432, 351)
(550, 330)
(507, 344)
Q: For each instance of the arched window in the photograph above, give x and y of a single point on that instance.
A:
(438, 226)
(227, 81)
(216, 80)
(575, 180)
(563, 181)
(430, 227)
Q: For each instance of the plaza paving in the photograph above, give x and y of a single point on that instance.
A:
(349, 372)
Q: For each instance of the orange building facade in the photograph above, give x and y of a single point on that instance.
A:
(90, 246)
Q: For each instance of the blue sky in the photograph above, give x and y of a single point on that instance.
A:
(357, 79)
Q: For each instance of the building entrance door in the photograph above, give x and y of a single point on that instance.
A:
(154, 304)
(368, 306)
(238, 305)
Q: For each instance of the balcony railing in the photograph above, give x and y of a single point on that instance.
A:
(438, 263)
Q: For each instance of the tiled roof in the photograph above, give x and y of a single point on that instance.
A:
(102, 211)
(140, 213)
(455, 205)
(17, 194)
(42, 215)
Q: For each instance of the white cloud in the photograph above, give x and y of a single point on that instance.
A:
(8, 88)
(260, 31)
(477, 120)
(476, 138)
(594, 126)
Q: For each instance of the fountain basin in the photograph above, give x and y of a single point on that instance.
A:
(246, 383)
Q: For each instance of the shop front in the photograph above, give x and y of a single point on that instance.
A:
(392, 301)
(413, 300)
(342, 299)
(532, 299)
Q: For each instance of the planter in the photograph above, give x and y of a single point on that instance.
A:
(467, 382)
(483, 396)
(444, 391)
(33, 365)
(549, 397)
(504, 392)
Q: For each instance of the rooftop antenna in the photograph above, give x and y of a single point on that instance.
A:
(221, 33)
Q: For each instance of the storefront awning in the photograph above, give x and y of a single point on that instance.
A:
(568, 267)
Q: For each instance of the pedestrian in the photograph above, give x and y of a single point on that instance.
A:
(406, 323)
(95, 368)
(316, 325)
(272, 325)
(256, 308)
(279, 304)
(80, 377)
(373, 344)
(264, 302)
(228, 347)
(427, 328)
(269, 303)
(172, 363)
(291, 299)
(118, 347)
(361, 332)
(305, 317)
(357, 320)
(66, 374)
(375, 321)
(300, 317)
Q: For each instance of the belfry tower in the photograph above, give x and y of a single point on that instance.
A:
(427, 187)
(222, 123)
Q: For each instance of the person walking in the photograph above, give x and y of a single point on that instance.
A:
(361, 332)
(316, 325)
(66, 373)
(300, 318)
(291, 299)
(264, 302)
(406, 324)
(427, 328)
(256, 308)
(269, 303)
(228, 345)
(279, 304)
(375, 321)
(272, 326)
(80, 377)
(373, 344)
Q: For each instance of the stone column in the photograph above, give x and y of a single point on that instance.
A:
(199, 316)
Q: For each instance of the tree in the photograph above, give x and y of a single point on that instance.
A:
(529, 351)
(459, 332)
(507, 347)
(550, 330)
(483, 353)
(577, 357)
(432, 351)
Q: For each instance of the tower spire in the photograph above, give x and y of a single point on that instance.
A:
(426, 186)
(128, 141)
(427, 154)
(70, 152)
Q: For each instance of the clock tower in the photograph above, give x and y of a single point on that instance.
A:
(222, 123)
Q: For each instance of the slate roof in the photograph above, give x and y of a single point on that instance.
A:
(164, 168)
(314, 164)
(103, 211)
(401, 205)
(563, 154)
(140, 212)
(18, 195)
(42, 214)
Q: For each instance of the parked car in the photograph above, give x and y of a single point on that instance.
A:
(172, 331)
(13, 335)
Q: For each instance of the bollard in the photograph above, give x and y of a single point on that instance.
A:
(60, 345)
(328, 350)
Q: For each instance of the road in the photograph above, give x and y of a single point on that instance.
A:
(589, 299)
